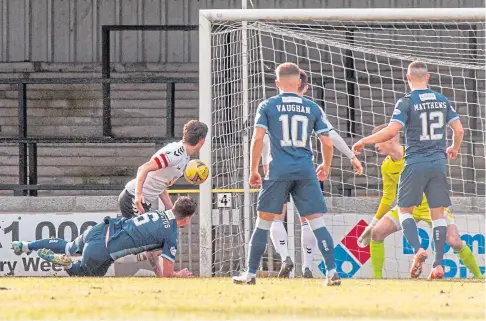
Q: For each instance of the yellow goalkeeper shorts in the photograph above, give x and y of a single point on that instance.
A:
(419, 214)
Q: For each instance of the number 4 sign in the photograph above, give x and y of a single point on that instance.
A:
(224, 200)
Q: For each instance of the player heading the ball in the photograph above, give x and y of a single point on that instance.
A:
(164, 168)
(424, 115)
(289, 120)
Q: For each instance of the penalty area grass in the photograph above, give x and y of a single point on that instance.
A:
(148, 298)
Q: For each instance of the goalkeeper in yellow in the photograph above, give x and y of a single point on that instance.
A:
(386, 221)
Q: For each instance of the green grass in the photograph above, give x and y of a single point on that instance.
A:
(218, 299)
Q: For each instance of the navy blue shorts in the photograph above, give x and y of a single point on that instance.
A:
(306, 193)
(425, 177)
(95, 259)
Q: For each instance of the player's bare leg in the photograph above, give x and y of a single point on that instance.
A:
(279, 238)
(385, 227)
(439, 234)
(463, 251)
(410, 231)
(258, 243)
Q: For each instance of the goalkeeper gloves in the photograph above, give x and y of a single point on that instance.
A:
(365, 237)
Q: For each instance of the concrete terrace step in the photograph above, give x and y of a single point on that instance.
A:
(183, 102)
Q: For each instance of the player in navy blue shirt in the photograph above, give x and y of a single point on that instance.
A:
(424, 114)
(154, 232)
(290, 121)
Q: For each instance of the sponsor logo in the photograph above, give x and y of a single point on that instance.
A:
(348, 255)
(427, 96)
(397, 111)
(173, 250)
(453, 267)
(297, 100)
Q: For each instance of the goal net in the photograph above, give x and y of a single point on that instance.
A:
(357, 71)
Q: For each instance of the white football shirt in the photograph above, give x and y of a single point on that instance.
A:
(172, 160)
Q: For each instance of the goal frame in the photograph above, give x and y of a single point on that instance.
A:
(207, 17)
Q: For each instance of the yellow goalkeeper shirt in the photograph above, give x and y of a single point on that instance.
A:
(391, 170)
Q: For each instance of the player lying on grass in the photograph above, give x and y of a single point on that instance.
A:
(386, 221)
(424, 115)
(164, 168)
(155, 232)
(278, 234)
(289, 120)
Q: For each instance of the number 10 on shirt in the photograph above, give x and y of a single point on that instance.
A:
(290, 136)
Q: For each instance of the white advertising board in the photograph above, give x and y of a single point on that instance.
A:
(28, 227)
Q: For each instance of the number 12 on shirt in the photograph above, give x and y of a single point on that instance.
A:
(290, 135)
(436, 119)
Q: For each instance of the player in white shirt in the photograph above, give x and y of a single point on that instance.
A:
(164, 168)
(278, 234)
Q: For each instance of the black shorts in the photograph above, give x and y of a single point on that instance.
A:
(126, 201)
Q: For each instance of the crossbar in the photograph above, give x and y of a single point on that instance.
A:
(351, 14)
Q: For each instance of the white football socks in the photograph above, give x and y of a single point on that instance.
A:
(309, 244)
(279, 238)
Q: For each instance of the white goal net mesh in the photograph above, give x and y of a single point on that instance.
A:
(357, 71)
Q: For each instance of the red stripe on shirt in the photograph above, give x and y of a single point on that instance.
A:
(158, 162)
(164, 159)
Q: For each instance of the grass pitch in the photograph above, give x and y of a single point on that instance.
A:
(218, 299)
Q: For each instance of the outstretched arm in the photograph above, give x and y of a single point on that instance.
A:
(341, 145)
(381, 136)
(142, 173)
(165, 198)
(153, 258)
(167, 268)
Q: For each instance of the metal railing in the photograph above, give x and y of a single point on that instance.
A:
(28, 175)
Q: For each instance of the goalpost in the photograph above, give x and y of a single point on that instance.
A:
(356, 60)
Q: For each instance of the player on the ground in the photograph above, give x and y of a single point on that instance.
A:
(278, 233)
(164, 168)
(424, 114)
(386, 220)
(154, 232)
(289, 120)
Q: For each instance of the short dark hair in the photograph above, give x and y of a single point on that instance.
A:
(184, 207)
(194, 131)
(287, 69)
(303, 80)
